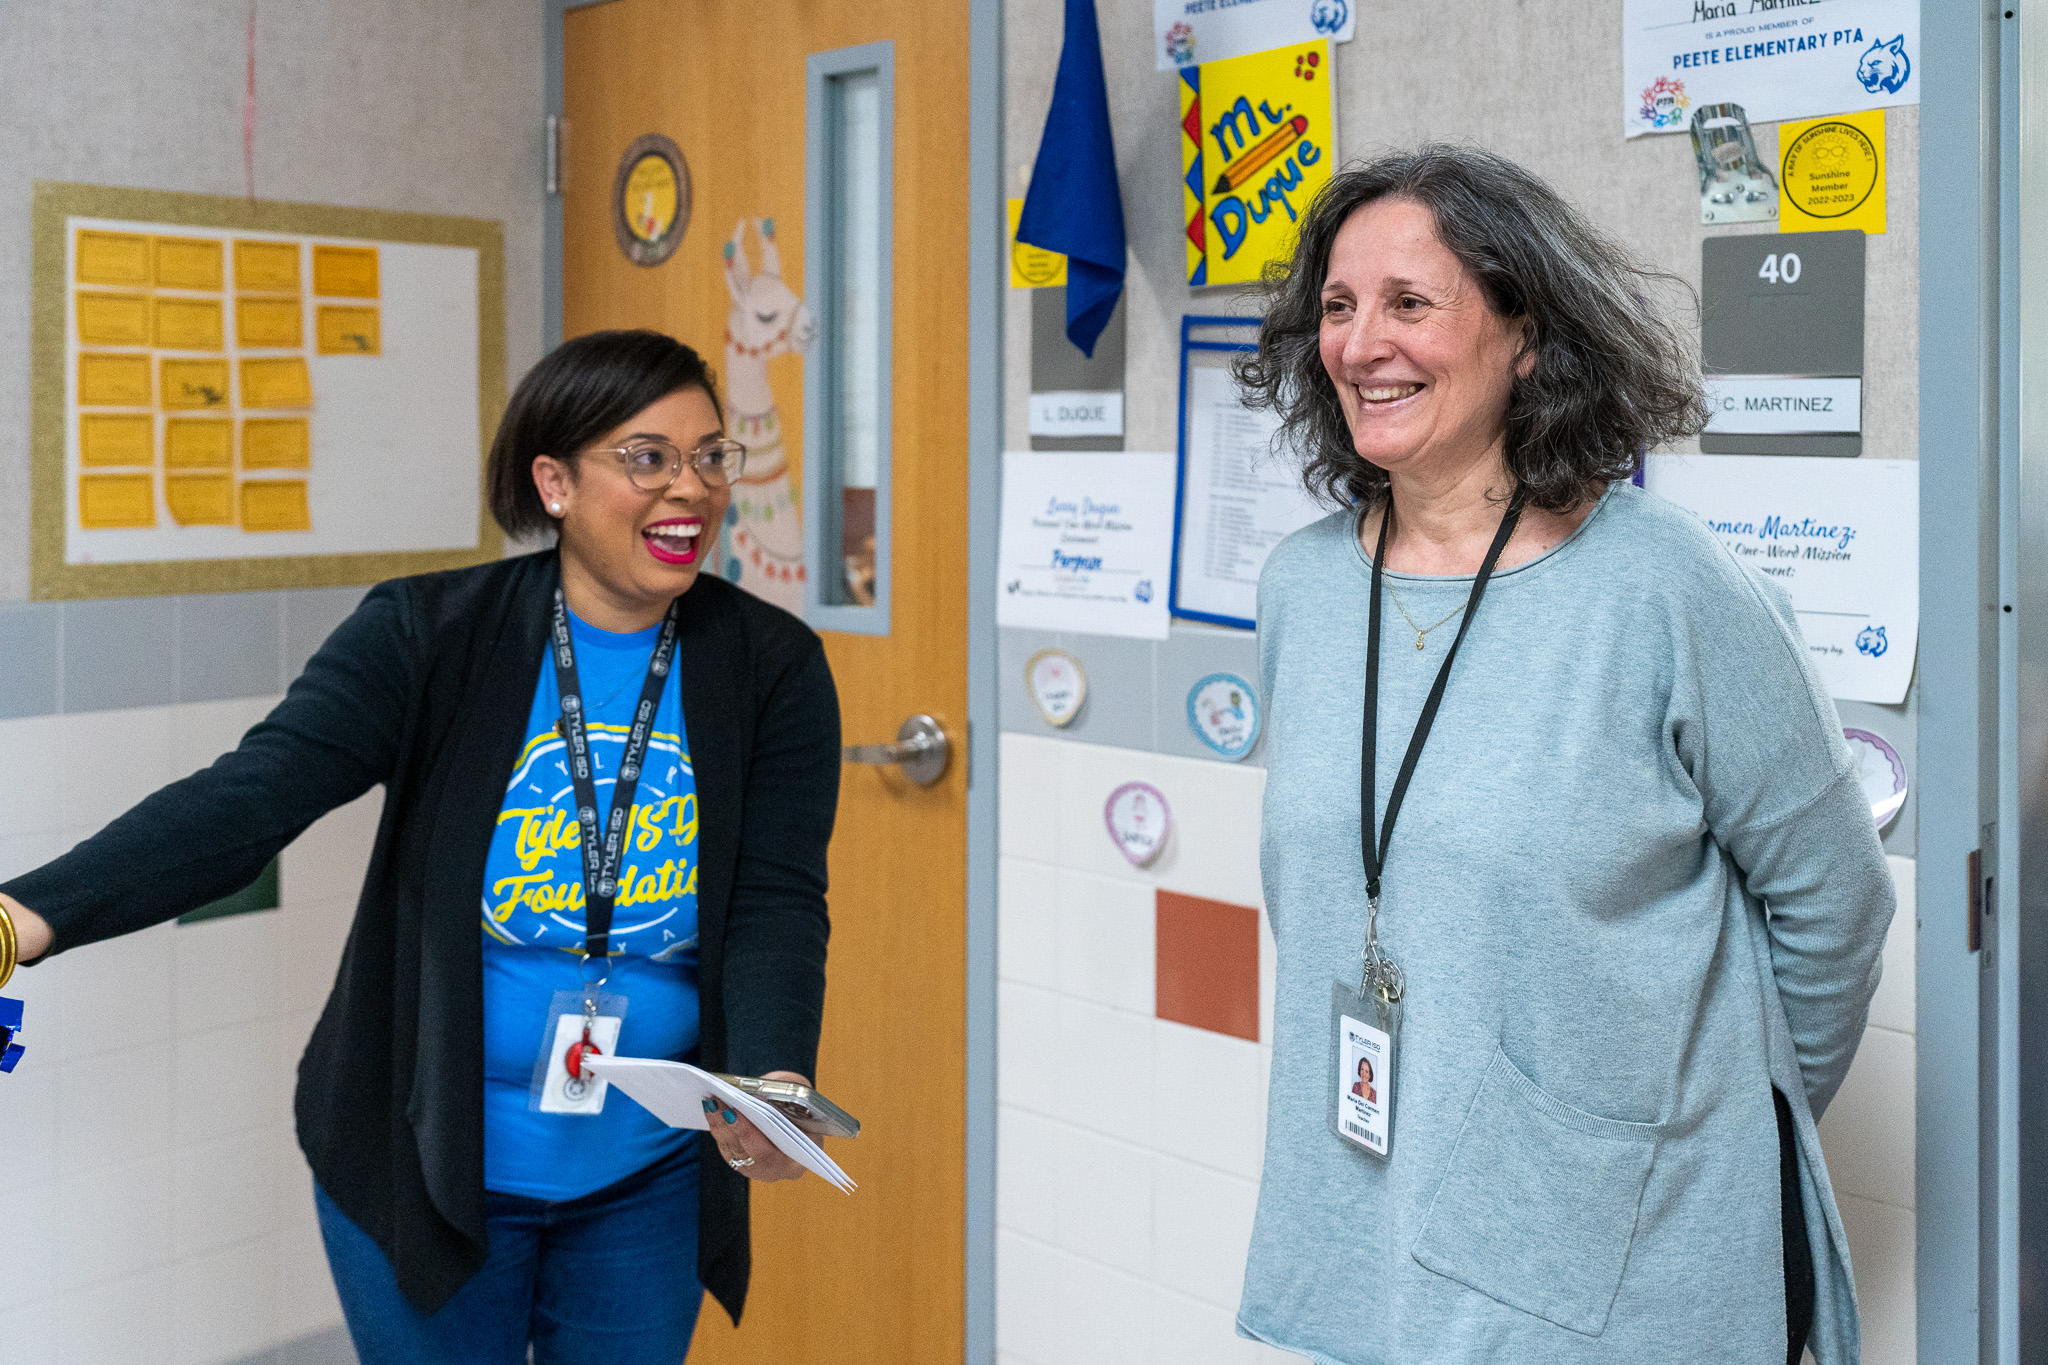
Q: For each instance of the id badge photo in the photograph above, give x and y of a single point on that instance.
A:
(554, 1090)
(1365, 1040)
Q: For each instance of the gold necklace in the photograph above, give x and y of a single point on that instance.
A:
(1422, 632)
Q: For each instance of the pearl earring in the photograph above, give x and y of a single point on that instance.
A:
(556, 508)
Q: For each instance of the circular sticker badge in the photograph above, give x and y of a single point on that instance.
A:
(1830, 169)
(1138, 820)
(1057, 684)
(1880, 772)
(1036, 266)
(1223, 711)
(651, 200)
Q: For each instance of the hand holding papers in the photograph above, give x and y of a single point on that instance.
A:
(674, 1092)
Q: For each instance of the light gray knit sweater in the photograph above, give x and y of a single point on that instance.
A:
(1634, 884)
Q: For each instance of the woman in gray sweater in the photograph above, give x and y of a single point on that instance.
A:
(1607, 931)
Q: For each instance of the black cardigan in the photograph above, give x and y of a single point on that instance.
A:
(427, 689)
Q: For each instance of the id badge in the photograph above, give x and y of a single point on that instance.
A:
(1365, 1042)
(554, 1090)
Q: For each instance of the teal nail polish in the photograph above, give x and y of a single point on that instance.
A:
(731, 1117)
(709, 1106)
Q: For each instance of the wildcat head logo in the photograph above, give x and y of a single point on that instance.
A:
(1328, 16)
(1870, 640)
(1885, 66)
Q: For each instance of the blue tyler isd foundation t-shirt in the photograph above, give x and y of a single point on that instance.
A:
(534, 928)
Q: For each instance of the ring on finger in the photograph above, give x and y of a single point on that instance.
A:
(741, 1164)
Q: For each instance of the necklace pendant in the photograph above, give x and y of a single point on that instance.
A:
(1418, 639)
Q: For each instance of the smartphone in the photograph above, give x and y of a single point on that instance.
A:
(806, 1108)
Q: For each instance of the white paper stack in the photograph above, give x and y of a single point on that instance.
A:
(674, 1092)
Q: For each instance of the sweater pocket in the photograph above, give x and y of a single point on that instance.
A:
(1537, 1206)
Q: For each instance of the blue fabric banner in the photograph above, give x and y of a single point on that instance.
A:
(1074, 205)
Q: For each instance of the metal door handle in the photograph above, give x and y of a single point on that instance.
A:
(921, 750)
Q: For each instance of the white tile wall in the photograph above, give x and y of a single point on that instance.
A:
(159, 1210)
(1122, 1226)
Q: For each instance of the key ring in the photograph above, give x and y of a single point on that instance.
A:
(1379, 972)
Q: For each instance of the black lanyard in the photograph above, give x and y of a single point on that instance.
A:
(1368, 777)
(601, 862)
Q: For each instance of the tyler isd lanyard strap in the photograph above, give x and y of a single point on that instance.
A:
(601, 857)
(1379, 970)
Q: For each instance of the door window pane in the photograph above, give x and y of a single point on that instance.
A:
(847, 376)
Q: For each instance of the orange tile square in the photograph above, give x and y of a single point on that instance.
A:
(1207, 965)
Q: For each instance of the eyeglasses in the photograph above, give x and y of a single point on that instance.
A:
(653, 464)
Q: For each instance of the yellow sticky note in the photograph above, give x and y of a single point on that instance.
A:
(1033, 267)
(348, 330)
(269, 322)
(271, 267)
(113, 319)
(348, 272)
(109, 502)
(195, 383)
(201, 499)
(113, 381)
(280, 383)
(112, 258)
(116, 438)
(189, 324)
(1831, 173)
(277, 443)
(275, 505)
(199, 443)
(188, 263)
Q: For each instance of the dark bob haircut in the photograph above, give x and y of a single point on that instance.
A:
(1613, 377)
(579, 391)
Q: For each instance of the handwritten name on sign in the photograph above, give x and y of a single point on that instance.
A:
(1841, 537)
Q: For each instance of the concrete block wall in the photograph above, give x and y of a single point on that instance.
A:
(159, 1207)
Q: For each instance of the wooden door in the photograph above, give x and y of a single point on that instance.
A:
(878, 1276)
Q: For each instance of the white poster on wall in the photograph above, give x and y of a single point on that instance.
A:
(1240, 495)
(1086, 541)
(1842, 536)
(1189, 32)
(1782, 62)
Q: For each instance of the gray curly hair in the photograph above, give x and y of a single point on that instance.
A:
(1613, 376)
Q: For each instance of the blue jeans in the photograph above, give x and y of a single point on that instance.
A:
(610, 1278)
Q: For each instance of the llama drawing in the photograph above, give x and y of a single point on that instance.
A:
(764, 530)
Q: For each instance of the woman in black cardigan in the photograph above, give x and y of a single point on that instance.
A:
(468, 1212)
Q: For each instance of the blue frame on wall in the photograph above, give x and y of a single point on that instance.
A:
(1189, 323)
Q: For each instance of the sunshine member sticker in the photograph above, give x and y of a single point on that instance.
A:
(1365, 1085)
(1832, 174)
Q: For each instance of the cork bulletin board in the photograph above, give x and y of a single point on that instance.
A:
(232, 395)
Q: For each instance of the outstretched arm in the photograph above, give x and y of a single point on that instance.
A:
(334, 736)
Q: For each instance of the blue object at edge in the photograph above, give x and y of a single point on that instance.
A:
(1074, 205)
(10, 1024)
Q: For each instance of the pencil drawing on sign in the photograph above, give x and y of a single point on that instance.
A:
(764, 546)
